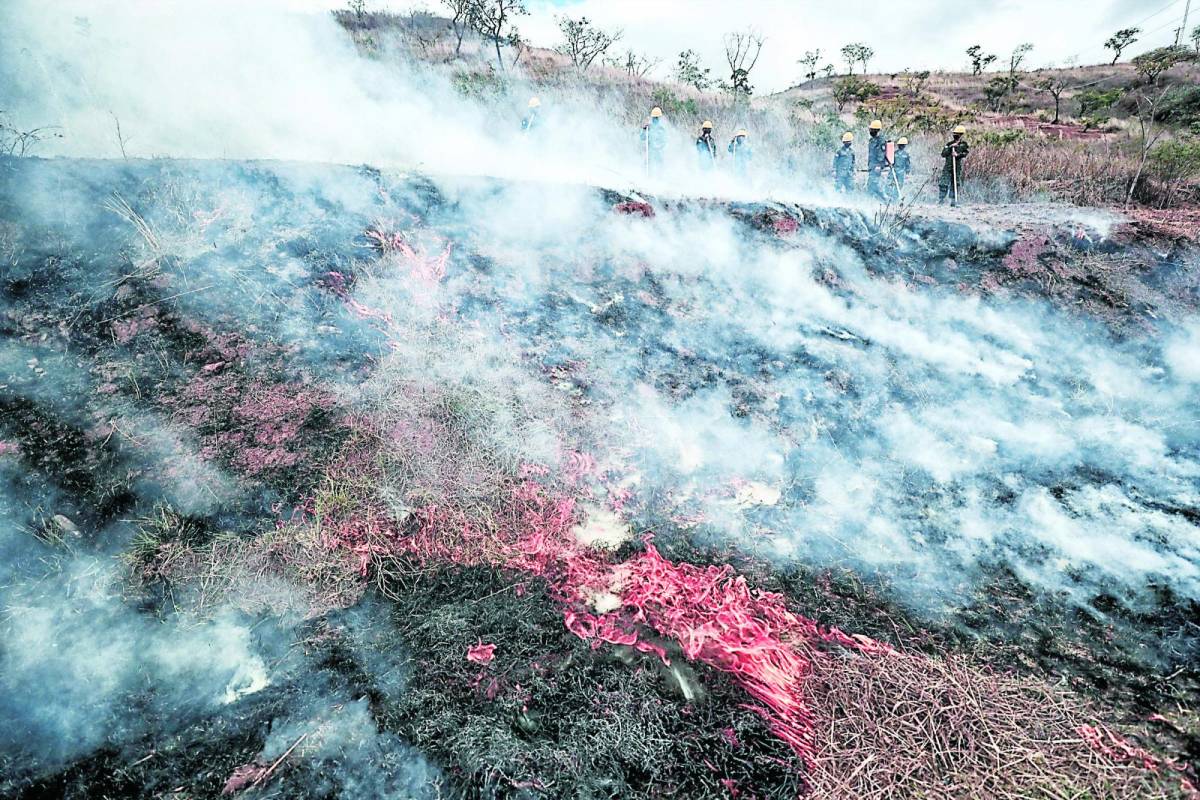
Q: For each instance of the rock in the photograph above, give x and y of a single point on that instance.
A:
(65, 525)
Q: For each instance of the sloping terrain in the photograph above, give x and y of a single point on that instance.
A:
(328, 482)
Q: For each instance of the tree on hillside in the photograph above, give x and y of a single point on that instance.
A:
(856, 53)
(1054, 86)
(1196, 38)
(636, 65)
(742, 50)
(914, 82)
(358, 8)
(494, 20)
(1148, 97)
(1153, 64)
(1121, 40)
(809, 60)
(583, 43)
(460, 21)
(853, 89)
(689, 72)
(829, 69)
(979, 59)
(1014, 62)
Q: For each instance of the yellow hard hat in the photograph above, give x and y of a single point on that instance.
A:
(706, 124)
(742, 132)
(902, 140)
(534, 102)
(656, 112)
(847, 137)
(960, 128)
(876, 125)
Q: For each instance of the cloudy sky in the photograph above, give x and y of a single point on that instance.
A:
(920, 34)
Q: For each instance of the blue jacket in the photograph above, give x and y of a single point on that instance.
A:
(655, 137)
(876, 152)
(741, 152)
(843, 160)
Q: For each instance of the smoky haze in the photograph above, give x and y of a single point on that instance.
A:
(798, 399)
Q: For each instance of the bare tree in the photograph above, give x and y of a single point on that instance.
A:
(582, 42)
(17, 142)
(1054, 86)
(742, 50)
(1120, 40)
(809, 60)
(425, 30)
(460, 21)
(636, 65)
(1148, 98)
(493, 20)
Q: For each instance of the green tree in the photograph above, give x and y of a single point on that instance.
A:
(1121, 40)
(688, 71)
(979, 59)
(853, 89)
(809, 60)
(1176, 162)
(857, 53)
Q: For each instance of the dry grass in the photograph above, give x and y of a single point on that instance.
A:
(915, 727)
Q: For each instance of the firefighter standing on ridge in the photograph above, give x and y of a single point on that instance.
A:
(843, 165)
(876, 161)
(654, 142)
(739, 148)
(954, 153)
(706, 147)
(903, 163)
(530, 120)
(901, 166)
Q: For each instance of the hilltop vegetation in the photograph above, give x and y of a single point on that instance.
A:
(1123, 134)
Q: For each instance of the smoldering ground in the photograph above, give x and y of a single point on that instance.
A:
(794, 393)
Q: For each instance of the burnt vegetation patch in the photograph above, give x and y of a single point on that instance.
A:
(549, 715)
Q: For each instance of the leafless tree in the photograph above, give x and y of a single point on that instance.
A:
(1053, 86)
(17, 142)
(583, 43)
(460, 21)
(1147, 100)
(636, 65)
(494, 20)
(742, 50)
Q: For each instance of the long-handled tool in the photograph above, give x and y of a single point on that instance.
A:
(954, 170)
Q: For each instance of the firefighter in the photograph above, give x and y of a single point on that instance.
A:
(901, 166)
(953, 154)
(706, 146)
(654, 141)
(739, 148)
(843, 165)
(876, 160)
(530, 120)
